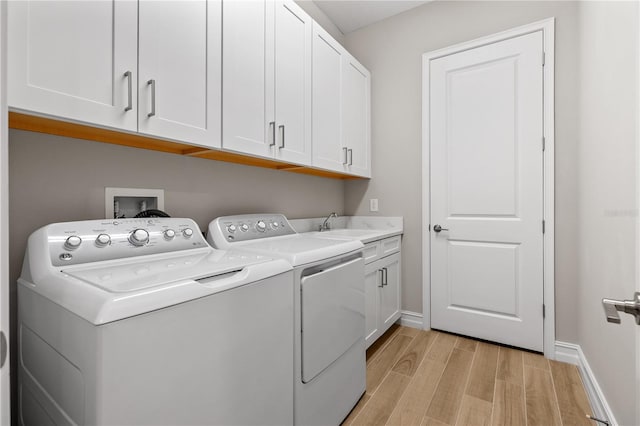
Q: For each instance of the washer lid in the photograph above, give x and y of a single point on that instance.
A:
(138, 274)
(108, 291)
(300, 249)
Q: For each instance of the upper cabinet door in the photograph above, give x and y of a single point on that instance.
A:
(293, 29)
(328, 59)
(248, 121)
(356, 123)
(74, 60)
(180, 70)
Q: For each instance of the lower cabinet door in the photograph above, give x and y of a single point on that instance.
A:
(390, 291)
(372, 283)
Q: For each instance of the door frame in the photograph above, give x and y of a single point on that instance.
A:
(5, 384)
(547, 26)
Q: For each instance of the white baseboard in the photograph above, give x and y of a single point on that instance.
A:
(572, 354)
(411, 319)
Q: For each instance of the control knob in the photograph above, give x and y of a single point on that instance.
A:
(231, 229)
(244, 227)
(139, 237)
(103, 240)
(261, 226)
(188, 233)
(169, 234)
(73, 242)
(274, 225)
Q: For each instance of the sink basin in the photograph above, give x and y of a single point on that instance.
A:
(355, 233)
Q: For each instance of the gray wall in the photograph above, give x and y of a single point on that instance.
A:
(56, 179)
(607, 194)
(392, 51)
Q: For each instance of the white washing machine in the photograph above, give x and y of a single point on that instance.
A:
(141, 322)
(329, 360)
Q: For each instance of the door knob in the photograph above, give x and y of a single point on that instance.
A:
(438, 228)
(632, 307)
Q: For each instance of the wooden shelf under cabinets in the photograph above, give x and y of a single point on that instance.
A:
(80, 131)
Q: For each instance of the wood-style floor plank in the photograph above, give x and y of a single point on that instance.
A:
(448, 396)
(408, 363)
(474, 411)
(454, 386)
(428, 421)
(540, 398)
(535, 360)
(510, 366)
(441, 347)
(508, 405)
(408, 331)
(382, 403)
(466, 344)
(377, 346)
(572, 399)
(413, 404)
(356, 410)
(380, 366)
(483, 372)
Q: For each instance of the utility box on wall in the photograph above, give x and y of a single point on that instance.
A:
(127, 202)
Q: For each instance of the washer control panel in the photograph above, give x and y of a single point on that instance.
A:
(251, 227)
(73, 243)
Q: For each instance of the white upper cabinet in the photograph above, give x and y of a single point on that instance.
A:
(180, 70)
(328, 60)
(266, 88)
(247, 70)
(75, 60)
(293, 83)
(356, 121)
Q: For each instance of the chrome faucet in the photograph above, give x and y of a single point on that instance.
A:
(326, 225)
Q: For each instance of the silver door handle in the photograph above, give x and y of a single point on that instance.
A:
(385, 276)
(129, 106)
(152, 83)
(350, 157)
(281, 127)
(631, 307)
(346, 156)
(272, 131)
(438, 228)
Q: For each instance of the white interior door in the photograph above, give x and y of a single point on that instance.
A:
(486, 131)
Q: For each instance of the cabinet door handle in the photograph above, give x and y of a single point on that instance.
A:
(129, 106)
(152, 83)
(281, 127)
(385, 274)
(350, 157)
(381, 278)
(272, 132)
(346, 156)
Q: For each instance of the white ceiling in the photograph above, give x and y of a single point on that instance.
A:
(350, 15)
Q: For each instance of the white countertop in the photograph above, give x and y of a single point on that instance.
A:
(363, 228)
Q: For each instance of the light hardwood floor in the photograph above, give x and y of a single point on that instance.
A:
(420, 378)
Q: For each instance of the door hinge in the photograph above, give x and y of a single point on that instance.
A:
(544, 311)
(544, 57)
(543, 226)
(544, 143)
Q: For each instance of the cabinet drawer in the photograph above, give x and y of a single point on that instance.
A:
(371, 251)
(389, 246)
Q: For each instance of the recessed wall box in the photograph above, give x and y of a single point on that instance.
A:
(128, 202)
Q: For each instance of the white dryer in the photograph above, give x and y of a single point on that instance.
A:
(329, 360)
(141, 322)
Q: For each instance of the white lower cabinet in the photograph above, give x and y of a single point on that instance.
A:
(382, 290)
